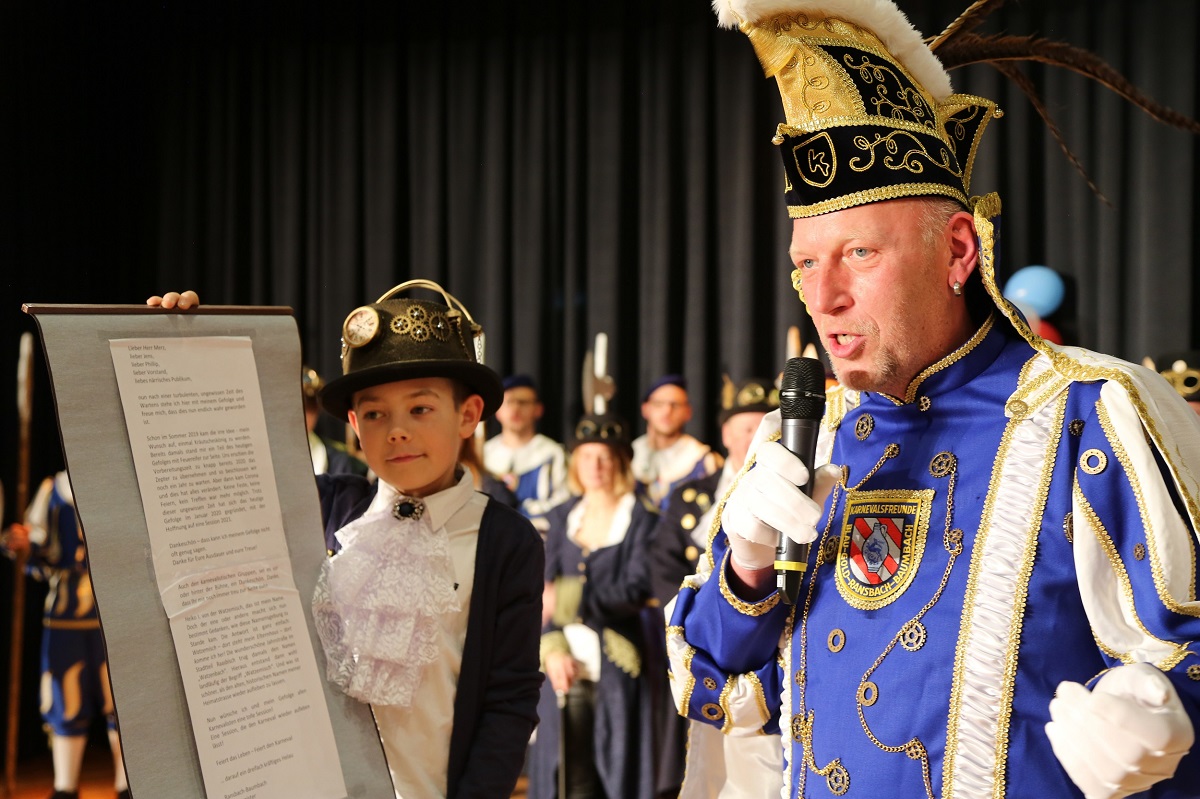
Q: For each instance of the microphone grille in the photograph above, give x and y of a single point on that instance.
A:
(802, 391)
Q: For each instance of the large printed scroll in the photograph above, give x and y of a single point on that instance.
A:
(186, 446)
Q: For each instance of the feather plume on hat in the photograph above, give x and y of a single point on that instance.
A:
(881, 17)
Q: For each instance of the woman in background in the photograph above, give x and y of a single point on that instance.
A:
(594, 736)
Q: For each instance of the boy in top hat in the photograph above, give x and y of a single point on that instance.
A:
(532, 465)
(999, 599)
(664, 456)
(452, 679)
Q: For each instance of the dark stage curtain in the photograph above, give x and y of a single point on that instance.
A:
(563, 168)
(568, 170)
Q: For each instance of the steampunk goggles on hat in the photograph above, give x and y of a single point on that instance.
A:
(400, 338)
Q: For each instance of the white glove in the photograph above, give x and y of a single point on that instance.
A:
(765, 502)
(1123, 736)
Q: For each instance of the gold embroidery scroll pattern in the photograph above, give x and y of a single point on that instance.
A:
(1135, 485)
(952, 539)
(892, 98)
(1092, 519)
(980, 106)
(903, 153)
(959, 130)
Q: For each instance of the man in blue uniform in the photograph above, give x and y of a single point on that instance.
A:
(1000, 597)
(665, 456)
(533, 466)
(74, 687)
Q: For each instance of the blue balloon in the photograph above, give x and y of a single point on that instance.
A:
(1039, 287)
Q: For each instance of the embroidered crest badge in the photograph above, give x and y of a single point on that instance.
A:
(882, 541)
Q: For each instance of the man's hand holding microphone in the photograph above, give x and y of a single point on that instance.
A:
(770, 517)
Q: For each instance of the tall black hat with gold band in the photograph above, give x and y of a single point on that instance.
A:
(400, 338)
(869, 110)
(755, 395)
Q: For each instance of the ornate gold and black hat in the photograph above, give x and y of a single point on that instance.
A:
(310, 382)
(869, 110)
(755, 395)
(870, 114)
(400, 338)
(1182, 371)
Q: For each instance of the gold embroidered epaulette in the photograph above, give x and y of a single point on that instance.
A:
(1038, 385)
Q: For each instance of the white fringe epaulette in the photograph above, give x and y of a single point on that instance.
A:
(881, 17)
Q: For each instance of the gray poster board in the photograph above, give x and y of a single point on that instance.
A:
(160, 753)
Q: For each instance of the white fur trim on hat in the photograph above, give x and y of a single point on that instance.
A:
(881, 17)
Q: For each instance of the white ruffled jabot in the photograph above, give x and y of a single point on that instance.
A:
(377, 605)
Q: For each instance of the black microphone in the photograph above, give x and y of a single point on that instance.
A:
(801, 406)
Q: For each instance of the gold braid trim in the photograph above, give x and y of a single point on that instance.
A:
(1092, 519)
(621, 652)
(759, 608)
(1156, 565)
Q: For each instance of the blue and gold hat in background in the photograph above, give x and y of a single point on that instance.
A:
(755, 395)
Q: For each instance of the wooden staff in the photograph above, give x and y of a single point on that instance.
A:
(24, 414)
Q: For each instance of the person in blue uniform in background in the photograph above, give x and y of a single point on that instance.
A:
(533, 466)
(74, 689)
(593, 646)
(665, 455)
(1000, 596)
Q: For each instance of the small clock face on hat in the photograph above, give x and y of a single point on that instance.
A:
(360, 327)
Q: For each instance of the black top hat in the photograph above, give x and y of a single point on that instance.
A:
(405, 339)
(601, 428)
